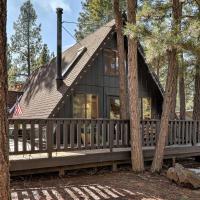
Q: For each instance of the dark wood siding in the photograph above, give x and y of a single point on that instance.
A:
(96, 82)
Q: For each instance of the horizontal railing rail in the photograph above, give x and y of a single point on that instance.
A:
(29, 136)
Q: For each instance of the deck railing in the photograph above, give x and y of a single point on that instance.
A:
(180, 132)
(29, 136)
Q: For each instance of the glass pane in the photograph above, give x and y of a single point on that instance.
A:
(91, 106)
(114, 108)
(79, 106)
(146, 108)
(111, 62)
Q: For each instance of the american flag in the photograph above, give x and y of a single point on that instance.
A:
(18, 110)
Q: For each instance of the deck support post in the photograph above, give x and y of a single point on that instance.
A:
(61, 172)
(173, 161)
(114, 167)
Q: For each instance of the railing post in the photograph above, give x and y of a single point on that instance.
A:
(111, 134)
(104, 133)
(32, 122)
(49, 138)
(194, 133)
(198, 131)
(16, 136)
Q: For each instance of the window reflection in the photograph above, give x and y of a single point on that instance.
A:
(79, 106)
(85, 106)
(111, 62)
(114, 108)
(145, 107)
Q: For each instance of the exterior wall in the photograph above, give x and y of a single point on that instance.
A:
(96, 82)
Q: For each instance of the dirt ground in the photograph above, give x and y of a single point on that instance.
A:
(100, 184)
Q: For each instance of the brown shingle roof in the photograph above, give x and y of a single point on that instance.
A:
(41, 96)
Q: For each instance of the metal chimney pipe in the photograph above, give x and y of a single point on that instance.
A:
(59, 77)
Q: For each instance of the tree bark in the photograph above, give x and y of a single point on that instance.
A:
(177, 29)
(4, 160)
(136, 141)
(196, 109)
(170, 87)
(174, 93)
(182, 88)
(168, 99)
(121, 60)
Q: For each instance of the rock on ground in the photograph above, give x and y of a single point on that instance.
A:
(183, 176)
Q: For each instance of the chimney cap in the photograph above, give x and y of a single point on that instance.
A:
(59, 10)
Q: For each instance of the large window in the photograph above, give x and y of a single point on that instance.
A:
(85, 106)
(145, 107)
(114, 107)
(111, 62)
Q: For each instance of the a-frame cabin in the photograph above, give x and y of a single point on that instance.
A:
(90, 86)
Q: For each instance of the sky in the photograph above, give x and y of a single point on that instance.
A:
(46, 12)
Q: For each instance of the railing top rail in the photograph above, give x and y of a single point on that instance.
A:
(65, 119)
(84, 119)
(181, 120)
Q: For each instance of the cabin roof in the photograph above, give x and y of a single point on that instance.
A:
(41, 98)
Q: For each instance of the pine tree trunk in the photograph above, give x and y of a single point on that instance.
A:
(121, 60)
(136, 141)
(4, 161)
(170, 87)
(182, 88)
(177, 28)
(196, 109)
(174, 93)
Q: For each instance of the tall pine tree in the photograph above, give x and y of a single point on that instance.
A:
(122, 57)
(136, 140)
(26, 41)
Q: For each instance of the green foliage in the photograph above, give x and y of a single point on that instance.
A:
(26, 42)
(157, 33)
(44, 57)
(95, 14)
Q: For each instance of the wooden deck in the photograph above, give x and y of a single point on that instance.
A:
(38, 146)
